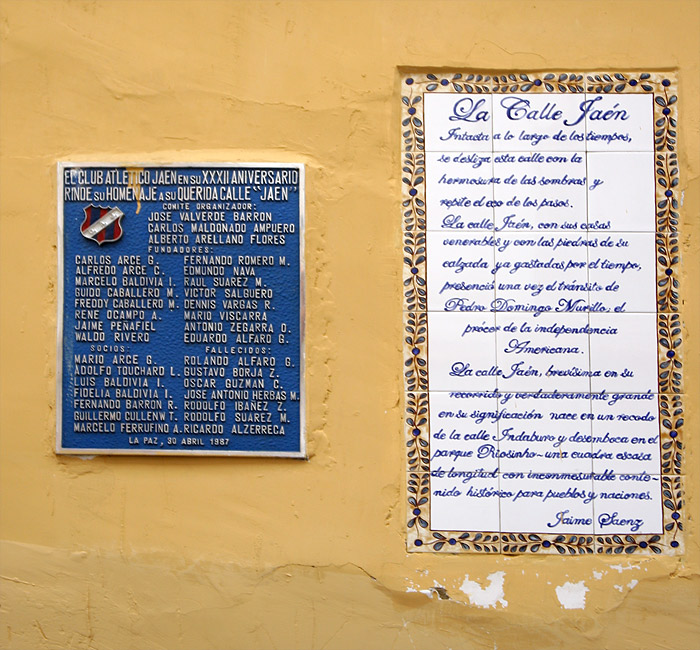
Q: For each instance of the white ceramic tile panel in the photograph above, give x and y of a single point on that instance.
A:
(621, 191)
(538, 122)
(626, 433)
(547, 432)
(546, 505)
(627, 503)
(455, 505)
(555, 193)
(462, 352)
(619, 122)
(463, 428)
(540, 190)
(624, 351)
(459, 190)
(547, 352)
(622, 271)
(457, 122)
(541, 269)
(460, 271)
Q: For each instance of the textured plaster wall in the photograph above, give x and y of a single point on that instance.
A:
(237, 553)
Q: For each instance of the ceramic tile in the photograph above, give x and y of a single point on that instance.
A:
(627, 503)
(668, 193)
(414, 270)
(605, 81)
(544, 432)
(672, 416)
(523, 122)
(455, 505)
(667, 271)
(415, 343)
(547, 544)
(543, 270)
(459, 191)
(623, 352)
(622, 272)
(540, 191)
(462, 351)
(636, 506)
(418, 509)
(463, 430)
(546, 351)
(674, 511)
(460, 272)
(619, 122)
(457, 122)
(413, 204)
(620, 191)
(416, 428)
(413, 190)
(551, 505)
(549, 83)
(670, 353)
(625, 432)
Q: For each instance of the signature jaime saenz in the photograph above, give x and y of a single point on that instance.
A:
(604, 519)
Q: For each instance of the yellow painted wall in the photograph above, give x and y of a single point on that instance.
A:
(124, 552)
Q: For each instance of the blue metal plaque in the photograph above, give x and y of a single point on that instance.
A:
(181, 308)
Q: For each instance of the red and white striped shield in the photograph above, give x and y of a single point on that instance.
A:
(102, 225)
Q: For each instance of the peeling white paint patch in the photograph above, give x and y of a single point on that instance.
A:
(630, 585)
(426, 592)
(490, 595)
(598, 575)
(413, 588)
(572, 595)
(621, 567)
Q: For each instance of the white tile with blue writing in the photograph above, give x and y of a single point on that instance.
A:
(460, 123)
(459, 191)
(626, 503)
(542, 351)
(461, 271)
(464, 433)
(539, 123)
(620, 192)
(540, 191)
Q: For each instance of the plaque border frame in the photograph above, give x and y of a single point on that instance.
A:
(61, 166)
(414, 83)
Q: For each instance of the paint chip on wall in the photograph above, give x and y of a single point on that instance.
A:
(488, 596)
(572, 595)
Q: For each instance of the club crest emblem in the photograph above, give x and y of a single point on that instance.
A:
(102, 225)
